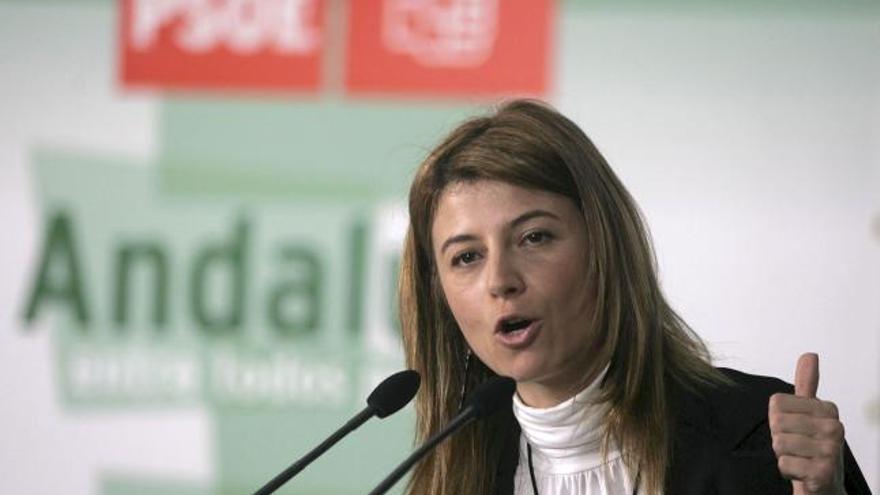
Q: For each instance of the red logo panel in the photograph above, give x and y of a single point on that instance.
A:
(271, 45)
(449, 47)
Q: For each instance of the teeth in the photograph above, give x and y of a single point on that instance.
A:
(514, 324)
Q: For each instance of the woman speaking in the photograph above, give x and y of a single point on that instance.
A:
(526, 257)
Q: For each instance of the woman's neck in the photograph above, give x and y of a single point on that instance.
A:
(549, 392)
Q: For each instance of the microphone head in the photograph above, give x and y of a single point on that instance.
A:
(492, 395)
(394, 392)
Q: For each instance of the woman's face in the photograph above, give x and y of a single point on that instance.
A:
(512, 265)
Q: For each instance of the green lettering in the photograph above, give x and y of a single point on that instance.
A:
(59, 276)
(357, 253)
(212, 312)
(158, 264)
(294, 305)
(391, 291)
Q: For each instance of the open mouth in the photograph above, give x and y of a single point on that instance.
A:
(517, 332)
(511, 325)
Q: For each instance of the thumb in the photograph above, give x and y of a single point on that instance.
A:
(806, 377)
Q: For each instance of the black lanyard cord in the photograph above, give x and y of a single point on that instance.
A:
(532, 469)
(535, 483)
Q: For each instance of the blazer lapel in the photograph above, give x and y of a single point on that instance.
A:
(721, 440)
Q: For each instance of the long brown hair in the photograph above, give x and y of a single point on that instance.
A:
(648, 347)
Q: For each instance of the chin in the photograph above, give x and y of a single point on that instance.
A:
(523, 369)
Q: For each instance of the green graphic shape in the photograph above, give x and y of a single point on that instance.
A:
(290, 364)
(342, 150)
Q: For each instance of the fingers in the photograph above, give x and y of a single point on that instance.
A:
(792, 404)
(794, 445)
(806, 375)
(799, 424)
(815, 474)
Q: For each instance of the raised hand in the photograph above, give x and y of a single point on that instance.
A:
(807, 434)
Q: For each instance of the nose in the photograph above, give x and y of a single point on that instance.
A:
(504, 278)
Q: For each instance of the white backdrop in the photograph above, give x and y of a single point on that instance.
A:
(752, 147)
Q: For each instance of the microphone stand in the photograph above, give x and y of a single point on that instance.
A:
(469, 414)
(307, 459)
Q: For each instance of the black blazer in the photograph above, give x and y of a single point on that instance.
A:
(721, 443)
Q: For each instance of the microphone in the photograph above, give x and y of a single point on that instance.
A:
(386, 399)
(489, 397)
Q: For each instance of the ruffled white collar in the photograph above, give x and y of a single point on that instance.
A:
(566, 438)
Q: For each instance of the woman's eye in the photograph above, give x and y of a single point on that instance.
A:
(464, 258)
(537, 237)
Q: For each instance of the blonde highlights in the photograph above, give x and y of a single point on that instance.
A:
(647, 346)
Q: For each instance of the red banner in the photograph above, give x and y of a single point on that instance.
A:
(449, 47)
(273, 45)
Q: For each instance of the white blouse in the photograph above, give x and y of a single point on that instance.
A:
(566, 442)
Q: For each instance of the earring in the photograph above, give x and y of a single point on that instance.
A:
(467, 369)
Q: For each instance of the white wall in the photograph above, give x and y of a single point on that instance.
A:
(751, 145)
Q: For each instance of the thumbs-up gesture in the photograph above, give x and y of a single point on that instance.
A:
(807, 434)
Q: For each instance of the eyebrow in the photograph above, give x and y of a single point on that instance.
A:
(525, 217)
